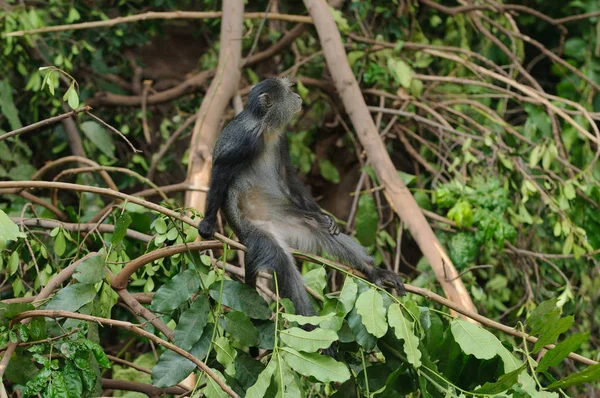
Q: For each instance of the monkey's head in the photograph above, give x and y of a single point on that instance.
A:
(273, 101)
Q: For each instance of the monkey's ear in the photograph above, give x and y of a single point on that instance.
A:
(265, 100)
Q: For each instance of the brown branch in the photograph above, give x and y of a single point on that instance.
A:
(396, 192)
(82, 160)
(120, 281)
(43, 123)
(151, 15)
(147, 389)
(132, 328)
(73, 227)
(114, 194)
(195, 82)
(145, 313)
(222, 88)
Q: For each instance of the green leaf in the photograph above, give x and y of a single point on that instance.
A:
(172, 368)
(505, 382)
(321, 367)
(72, 297)
(354, 56)
(71, 96)
(160, 226)
(59, 243)
(348, 294)
(287, 381)
(461, 213)
(308, 320)
(121, 226)
(225, 354)
(212, 389)
(308, 341)
(192, 323)
(241, 328)
(99, 137)
(369, 306)
(91, 270)
(365, 339)
(263, 382)
(247, 369)
(367, 219)
(587, 376)
(57, 387)
(406, 178)
(474, 340)
(8, 108)
(463, 249)
(73, 380)
(21, 369)
(534, 156)
(404, 330)
(545, 313)
(551, 332)
(8, 229)
(176, 291)
(316, 279)
(329, 171)
(13, 263)
(562, 349)
(400, 71)
(241, 297)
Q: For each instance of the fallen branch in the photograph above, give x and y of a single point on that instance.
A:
(396, 191)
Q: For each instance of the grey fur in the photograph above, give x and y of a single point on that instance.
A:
(266, 204)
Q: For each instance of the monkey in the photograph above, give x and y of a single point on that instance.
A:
(254, 183)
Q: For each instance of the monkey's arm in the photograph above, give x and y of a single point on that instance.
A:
(299, 195)
(234, 153)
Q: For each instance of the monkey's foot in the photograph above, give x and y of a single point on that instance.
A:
(380, 276)
(333, 227)
(206, 229)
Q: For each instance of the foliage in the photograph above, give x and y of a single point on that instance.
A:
(509, 176)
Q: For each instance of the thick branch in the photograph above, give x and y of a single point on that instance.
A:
(397, 193)
(221, 90)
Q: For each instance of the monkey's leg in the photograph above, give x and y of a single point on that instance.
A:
(345, 249)
(266, 252)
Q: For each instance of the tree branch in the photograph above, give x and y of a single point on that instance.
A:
(396, 192)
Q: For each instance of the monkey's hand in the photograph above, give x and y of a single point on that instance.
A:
(380, 276)
(332, 227)
(206, 229)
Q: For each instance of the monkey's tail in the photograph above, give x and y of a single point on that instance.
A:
(266, 252)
